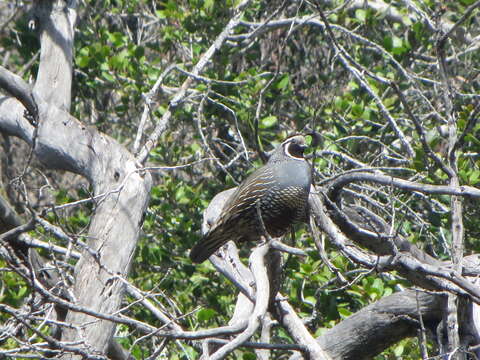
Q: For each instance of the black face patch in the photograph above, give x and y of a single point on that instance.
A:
(295, 149)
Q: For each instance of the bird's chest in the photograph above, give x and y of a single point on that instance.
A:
(285, 202)
(294, 174)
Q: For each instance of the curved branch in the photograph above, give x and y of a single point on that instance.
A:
(287, 316)
(383, 323)
(411, 264)
(258, 265)
(336, 185)
(19, 89)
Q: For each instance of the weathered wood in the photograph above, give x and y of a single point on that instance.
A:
(64, 143)
(380, 325)
(55, 20)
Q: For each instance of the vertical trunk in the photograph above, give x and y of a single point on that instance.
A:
(56, 21)
(62, 142)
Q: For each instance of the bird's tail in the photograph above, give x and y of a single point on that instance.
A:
(210, 243)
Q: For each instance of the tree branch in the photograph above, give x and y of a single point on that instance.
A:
(20, 90)
(199, 67)
(336, 184)
(383, 324)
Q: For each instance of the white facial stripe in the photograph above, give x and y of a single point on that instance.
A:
(287, 152)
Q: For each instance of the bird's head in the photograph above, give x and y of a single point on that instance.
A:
(294, 146)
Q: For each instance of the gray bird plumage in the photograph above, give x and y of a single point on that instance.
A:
(281, 188)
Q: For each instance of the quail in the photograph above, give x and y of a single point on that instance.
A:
(278, 191)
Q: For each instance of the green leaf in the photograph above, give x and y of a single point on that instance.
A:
(418, 28)
(161, 14)
(249, 356)
(208, 4)
(341, 104)
(418, 162)
(474, 176)
(306, 268)
(182, 195)
(472, 138)
(390, 101)
(378, 285)
(119, 61)
(388, 43)
(206, 314)
(357, 110)
(21, 292)
(283, 82)
(108, 76)
(398, 351)
(355, 293)
(116, 38)
(83, 57)
(344, 313)
(361, 15)
(268, 122)
(397, 44)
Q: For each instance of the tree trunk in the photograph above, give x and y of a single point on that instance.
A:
(120, 187)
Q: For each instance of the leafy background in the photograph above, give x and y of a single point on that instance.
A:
(282, 82)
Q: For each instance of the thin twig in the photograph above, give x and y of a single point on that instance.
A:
(180, 95)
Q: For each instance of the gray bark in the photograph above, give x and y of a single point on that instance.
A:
(380, 325)
(63, 142)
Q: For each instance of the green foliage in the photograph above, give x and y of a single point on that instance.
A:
(13, 289)
(121, 49)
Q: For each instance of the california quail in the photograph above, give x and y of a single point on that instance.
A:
(281, 187)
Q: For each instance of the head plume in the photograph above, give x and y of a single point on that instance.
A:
(292, 147)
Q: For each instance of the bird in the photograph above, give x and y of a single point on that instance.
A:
(278, 191)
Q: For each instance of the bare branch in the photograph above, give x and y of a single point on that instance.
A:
(258, 267)
(19, 89)
(468, 12)
(409, 261)
(17, 231)
(386, 321)
(180, 95)
(297, 330)
(342, 180)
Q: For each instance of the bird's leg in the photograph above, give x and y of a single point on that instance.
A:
(263, 229)
(292, 236)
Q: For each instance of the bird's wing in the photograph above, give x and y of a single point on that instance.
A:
(234, 217)
(246, 196)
